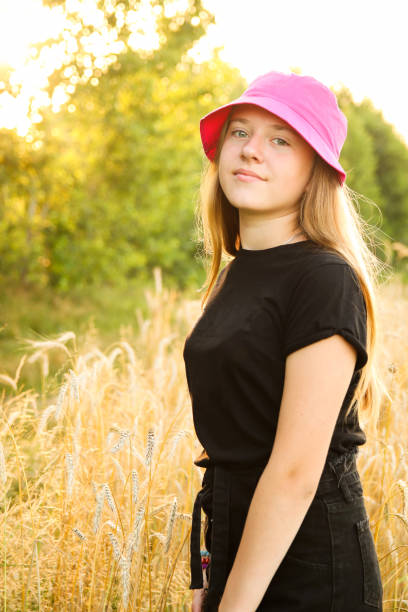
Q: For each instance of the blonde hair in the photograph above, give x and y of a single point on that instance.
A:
(328, 217)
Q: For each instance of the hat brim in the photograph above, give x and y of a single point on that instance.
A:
(211, 126)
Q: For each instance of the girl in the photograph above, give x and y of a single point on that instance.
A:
(280, 359)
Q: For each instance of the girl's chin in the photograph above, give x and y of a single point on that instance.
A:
(254, 206)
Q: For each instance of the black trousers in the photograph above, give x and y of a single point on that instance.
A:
(331, 565)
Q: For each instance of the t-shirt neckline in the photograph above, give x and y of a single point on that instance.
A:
(256, 252)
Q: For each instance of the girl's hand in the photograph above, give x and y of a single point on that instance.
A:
(199, 595)
(198, 599)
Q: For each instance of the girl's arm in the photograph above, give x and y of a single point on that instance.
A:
(316, 380)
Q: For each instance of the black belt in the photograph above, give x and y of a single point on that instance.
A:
(214, 496)
(216, 485)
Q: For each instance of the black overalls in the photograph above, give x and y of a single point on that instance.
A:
(269, 303)
(331, 565)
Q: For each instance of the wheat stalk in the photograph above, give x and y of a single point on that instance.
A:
(60, 401)
(79, 533)
(3, 472)
(70, 474)
(135, 486)
(98, 510)
(149, 446)
(45, 416)
(7, 380)
(119, 470)
(124, 434)
(404, 490)
(115, 546)
(44, 345)
(115, 353)
(176, 439)
(113, 525)
(13, 381)
(125, 571)
(130, 352)
(170, 525)
(133, 541)
(184, 516)
(109, 498)
(76, 437)
(74, 385)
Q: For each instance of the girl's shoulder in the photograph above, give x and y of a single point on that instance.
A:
(317, 256)
(321, 267)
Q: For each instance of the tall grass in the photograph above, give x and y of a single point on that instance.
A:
(97, 479)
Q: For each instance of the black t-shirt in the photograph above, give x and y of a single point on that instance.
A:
(268, 303)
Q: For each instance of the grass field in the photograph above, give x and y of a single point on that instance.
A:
(96, 475)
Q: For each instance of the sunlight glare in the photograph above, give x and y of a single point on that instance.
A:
(16, 34)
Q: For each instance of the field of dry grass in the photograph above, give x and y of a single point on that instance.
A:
(96, 475)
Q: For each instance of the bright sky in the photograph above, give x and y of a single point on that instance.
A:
(361, 43)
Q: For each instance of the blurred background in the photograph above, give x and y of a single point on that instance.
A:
(101, 270)
(100, 153)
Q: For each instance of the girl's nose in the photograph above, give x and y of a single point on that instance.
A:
(253, 147)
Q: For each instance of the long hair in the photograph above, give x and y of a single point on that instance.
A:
(328, 217)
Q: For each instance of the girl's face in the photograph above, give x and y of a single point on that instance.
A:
(258, 141)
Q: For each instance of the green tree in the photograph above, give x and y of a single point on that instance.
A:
(358, 155)
(23, 218)
(134, 145)
(117, 169)
(392, 171)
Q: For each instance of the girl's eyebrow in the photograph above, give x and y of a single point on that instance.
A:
(276, 126)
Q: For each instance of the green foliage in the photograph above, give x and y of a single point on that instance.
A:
(115, 174)
(106, 189)
(392, 171)
(376, 159)
(93, 39)
(134, 148)
(22, 222)
(358, 155)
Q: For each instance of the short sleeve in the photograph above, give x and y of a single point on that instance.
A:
(327, 300)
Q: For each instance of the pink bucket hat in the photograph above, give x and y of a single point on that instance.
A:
(307, 105)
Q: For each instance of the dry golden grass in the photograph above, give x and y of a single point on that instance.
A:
(97, 480)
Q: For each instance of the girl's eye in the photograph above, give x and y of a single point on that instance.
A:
(238, 130)
(281, 140)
